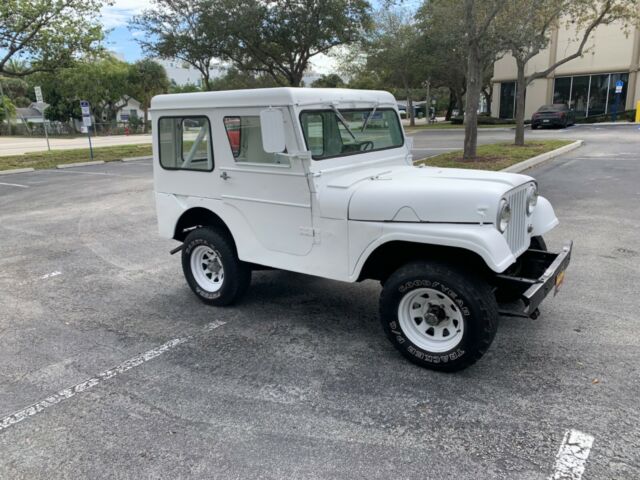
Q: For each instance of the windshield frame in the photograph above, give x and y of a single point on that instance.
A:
(373, 109)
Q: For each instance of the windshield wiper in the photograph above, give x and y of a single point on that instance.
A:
(366, 122)
(343, 121)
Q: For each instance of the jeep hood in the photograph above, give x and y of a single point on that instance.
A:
(429, 194)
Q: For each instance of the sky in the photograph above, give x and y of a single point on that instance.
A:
(122, 41)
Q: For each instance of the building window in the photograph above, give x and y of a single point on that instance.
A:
(507, 99)
(591, 95)
(184, 143)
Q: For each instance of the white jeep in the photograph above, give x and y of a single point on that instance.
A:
(321, 182)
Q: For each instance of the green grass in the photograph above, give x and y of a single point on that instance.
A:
(494, 156)
(39, 160)
(450, 126)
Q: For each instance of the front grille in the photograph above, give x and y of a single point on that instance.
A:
(516, 232)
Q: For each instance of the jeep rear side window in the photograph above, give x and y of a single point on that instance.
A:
(185, 143)
(353, 131)
(245, 140)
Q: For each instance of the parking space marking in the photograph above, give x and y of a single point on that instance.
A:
(572, 456)
(49, 275)
(66, 393)
(14, 185)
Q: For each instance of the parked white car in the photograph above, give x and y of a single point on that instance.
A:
(321, 182)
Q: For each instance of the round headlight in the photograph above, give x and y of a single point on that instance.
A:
(504, 215)
(532, 199)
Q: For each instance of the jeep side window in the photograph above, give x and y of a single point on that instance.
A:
(185, 143)
(327, 135)
(245, 139)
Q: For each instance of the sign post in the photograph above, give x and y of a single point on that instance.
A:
(86, 123)
(616, 105)
(40, 101)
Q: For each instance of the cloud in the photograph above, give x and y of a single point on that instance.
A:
(119, 14)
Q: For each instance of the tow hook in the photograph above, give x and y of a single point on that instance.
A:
(177, 249)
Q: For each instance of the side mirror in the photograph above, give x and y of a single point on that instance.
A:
(272, 128)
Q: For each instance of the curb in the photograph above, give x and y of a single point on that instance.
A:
(79, 164)
(16, 170)
(540, 159)
(133, 159)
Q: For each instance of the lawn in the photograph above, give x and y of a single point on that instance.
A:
(50, 159)
(494, 156)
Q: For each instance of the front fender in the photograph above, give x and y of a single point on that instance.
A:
(543, 218)
(484, 240)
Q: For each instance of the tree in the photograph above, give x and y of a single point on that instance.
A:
(7, 109)
(482, 47)
(148, 78)
(393, 51)
(277, 38)
(105, 84)
(17, 90)
(526, 29)
(47, 34)
(445, 42)
(235, 79)
(181, 29)
(331, 80)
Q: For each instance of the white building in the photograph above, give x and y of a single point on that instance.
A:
(181, 73)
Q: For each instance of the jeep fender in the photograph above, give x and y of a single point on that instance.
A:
(483, 240)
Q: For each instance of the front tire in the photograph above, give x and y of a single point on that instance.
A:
(438, 316)
(212, 269)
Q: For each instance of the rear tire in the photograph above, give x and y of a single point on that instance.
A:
(212, 269)
(438, 316)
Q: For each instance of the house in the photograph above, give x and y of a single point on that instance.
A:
(34, 113)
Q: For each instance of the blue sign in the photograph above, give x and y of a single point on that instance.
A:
(619, 85)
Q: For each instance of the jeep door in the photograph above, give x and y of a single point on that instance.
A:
(270, 191)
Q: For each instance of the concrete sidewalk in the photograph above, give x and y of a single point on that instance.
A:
(20, 145)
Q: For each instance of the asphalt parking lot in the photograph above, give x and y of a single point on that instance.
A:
(298, 381)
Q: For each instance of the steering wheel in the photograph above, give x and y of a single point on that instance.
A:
(366, 145)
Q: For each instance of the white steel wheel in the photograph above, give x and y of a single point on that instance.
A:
(206, 268)
(431, 320)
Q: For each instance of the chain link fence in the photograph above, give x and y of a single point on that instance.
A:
(72, 128)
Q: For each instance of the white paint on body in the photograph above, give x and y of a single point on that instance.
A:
(572, 456)
(69, 392)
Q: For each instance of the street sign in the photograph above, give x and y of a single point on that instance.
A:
(619, 85)
(84, 106)
(38, 91)
(86, 121)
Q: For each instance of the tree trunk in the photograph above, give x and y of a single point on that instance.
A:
(146, 120)
(521, 90)
(474, 87)
(412, 114)
(452, 102)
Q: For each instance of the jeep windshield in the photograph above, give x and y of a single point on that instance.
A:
(335, 133)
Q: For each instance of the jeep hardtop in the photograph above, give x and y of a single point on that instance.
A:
(322, 182)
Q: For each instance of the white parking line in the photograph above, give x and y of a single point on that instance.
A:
(49, 275)
(42, 405)
(14, 185)
(572, 456)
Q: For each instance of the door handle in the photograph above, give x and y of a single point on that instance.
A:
(224, 176)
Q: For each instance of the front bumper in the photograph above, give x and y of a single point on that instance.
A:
(538, 273)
